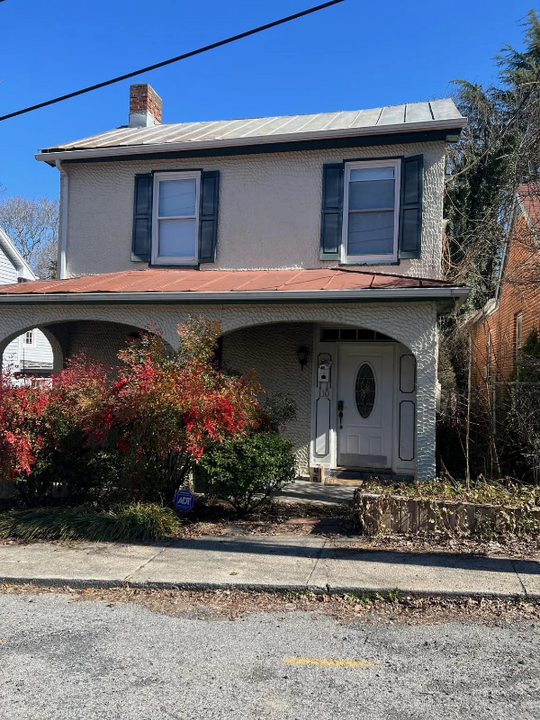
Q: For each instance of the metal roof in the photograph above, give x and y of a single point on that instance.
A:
(437, 114)
(166, 280)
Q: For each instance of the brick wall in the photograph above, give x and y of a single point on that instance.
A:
(520, 293)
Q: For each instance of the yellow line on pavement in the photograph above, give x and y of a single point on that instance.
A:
(329, 663)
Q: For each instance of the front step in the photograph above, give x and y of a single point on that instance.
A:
(343, 476)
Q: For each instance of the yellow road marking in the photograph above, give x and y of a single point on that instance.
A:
(329, 663)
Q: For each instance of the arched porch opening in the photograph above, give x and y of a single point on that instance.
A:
(99, 339)
(31, 351)
(317, 365)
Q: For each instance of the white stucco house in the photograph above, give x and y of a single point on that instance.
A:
(30, 352)
(314, 239)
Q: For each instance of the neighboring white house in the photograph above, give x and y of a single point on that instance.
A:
(315, 240)
(31, 351)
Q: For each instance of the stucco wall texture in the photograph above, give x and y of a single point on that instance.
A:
(271, 350)
(413, 324)
(269, 209)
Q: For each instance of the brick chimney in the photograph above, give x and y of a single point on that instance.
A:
(144, 106)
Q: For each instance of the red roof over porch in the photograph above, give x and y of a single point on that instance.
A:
(167, 280)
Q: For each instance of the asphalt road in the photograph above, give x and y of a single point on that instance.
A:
(62, 659)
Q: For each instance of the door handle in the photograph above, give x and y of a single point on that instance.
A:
(340, 413)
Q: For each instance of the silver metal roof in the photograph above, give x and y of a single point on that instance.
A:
(441, 114)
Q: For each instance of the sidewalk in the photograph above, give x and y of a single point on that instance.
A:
(268, 563)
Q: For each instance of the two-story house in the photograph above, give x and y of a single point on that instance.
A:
(30, 352)
(314, 239)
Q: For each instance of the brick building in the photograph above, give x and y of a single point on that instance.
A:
(502, 326)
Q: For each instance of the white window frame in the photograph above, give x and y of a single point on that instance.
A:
(518, 329)
(158, 178)
(33, 342)
(370, 259)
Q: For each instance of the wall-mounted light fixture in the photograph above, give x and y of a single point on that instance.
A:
(302, 354)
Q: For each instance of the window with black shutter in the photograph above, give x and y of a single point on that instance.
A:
(175, 217)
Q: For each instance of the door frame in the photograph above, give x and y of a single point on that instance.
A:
(392, 372)
(329, 461)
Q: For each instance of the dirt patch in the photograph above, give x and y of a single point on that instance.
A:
(235, 604)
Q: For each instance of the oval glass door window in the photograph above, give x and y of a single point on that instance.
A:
(365, 390)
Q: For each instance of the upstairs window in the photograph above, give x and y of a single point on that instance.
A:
(175, 218)
(489, 354)
(29, 338)
(518, 334)
(371, 203)
(372, 210)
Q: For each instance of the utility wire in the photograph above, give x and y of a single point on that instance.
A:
(232, 39)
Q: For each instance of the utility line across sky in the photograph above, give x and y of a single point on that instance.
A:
(189, 54)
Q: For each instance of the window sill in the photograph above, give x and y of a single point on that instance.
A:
(174, 263)
(178, 266)
(369, 262)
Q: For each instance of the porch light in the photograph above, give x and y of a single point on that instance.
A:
(302, 354)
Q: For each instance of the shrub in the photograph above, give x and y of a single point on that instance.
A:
(119, 523)
(163, 411)
(246, 471)
(21, 419)
(133, 431)
(277, 410)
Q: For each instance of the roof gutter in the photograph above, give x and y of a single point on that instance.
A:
(52, 154)
(246, 297)
(64, 198)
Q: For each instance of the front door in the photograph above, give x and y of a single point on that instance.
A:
(365, 406)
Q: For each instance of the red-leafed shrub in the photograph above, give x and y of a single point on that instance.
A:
(135, 430)
(164, 410)
(21, 423)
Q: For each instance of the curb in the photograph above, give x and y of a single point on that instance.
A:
(260, 587)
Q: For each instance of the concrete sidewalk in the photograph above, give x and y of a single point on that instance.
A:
(285, 562)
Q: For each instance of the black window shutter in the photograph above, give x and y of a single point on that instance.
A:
(332, 211)
(410, 220)
(208, 216)
(142, 219)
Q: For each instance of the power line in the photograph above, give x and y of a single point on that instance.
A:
(240, 36)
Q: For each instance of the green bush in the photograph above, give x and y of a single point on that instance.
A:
(119, 523)
(74, 472)
(246, 471)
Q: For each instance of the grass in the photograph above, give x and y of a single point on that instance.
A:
(508, 493)
(119, 523)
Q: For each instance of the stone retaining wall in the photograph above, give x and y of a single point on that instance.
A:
(379, 514)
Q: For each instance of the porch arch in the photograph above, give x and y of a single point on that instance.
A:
(412, 324)
(57, 353)
(100, 339)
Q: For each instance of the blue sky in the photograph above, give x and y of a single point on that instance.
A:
(355, 55)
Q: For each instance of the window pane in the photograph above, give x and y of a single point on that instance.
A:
(176, 198)
(177, 239)
(365, 391)
(382, 173)
(371, 233)
(371, 195)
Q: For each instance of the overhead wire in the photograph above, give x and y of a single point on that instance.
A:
(163, 63)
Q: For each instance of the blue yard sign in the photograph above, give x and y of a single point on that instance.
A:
(184, 501)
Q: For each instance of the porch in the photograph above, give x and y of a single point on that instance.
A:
(359, 362)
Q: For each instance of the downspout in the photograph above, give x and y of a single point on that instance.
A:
(64, 197)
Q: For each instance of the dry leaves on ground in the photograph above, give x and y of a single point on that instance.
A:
(236, 604)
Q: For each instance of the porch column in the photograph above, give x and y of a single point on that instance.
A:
(425, 350)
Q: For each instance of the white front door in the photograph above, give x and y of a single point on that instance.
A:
(366, 406)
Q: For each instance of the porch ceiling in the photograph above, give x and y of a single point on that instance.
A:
(192, 285)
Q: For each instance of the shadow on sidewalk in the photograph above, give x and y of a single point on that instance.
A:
(313, 547)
